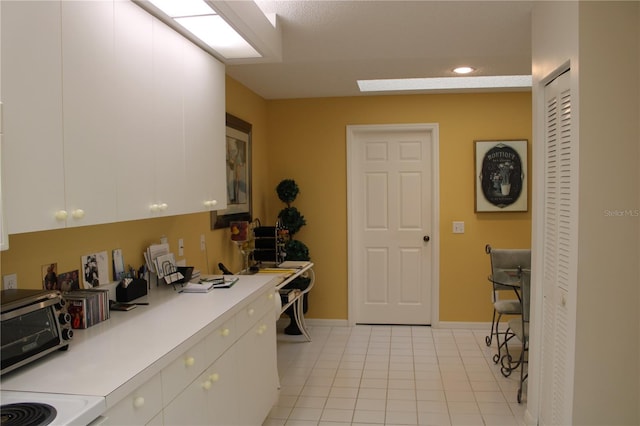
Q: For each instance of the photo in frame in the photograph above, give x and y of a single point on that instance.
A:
(501, 176)
(238, 173)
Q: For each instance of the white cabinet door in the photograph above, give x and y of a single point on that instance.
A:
(167, 120)
(32, 96)
(212, 398)
(182, 371)
(139, 407)
(204, 125)
(257, 371)
(88, 104)
(134, 97)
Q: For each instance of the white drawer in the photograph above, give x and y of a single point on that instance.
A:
(253, 311)
(139, 407)
(177, 375)
(220, 340)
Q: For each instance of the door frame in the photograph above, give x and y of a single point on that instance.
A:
(433, 130)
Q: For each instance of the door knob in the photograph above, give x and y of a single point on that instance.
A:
(426, 238)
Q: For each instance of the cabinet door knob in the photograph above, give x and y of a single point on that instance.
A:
(251, 312)
(61, 214)
(214, 377)
(163, 206)
(206, 385)
(138, 401)
(154, 207)
(77, 214)
(270, 296)
(225, 332)
(189, 361)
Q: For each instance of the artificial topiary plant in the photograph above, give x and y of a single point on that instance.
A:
(292, 220)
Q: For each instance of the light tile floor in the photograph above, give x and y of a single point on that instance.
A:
(392, 375)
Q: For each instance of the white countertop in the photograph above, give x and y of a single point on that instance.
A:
(116, 356)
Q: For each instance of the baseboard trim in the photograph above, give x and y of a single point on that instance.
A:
(465, 325)
(317, 322)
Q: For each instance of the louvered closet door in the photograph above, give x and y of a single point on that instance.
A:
(559, 257)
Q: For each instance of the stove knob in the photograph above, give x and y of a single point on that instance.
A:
(64, 318)
(67, 334)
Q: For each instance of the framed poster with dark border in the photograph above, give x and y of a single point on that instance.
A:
(238, 172)
(501, 176)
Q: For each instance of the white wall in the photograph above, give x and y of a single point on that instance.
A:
(601, 41)
(606, 385)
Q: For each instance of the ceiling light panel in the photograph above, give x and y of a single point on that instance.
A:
(215, 32)
(175, 8)
(199, 19)
(446, 83)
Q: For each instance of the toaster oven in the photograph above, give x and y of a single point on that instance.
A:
(33, 324)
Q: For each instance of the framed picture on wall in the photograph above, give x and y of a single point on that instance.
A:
(238, 172)
(501, 176)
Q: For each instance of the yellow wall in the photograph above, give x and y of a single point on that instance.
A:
(306, 140)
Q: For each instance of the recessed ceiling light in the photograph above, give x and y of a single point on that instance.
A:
(446, 83)
(464, 70)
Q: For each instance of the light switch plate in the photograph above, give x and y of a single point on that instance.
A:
(10, 281)
(458, 227)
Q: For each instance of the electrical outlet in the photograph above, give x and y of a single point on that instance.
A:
(203, 246)
(458, 227)
(10, 281)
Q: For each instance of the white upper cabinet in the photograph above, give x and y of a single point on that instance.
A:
(109, 116)
(167, 153)
(134, 100)
(204, 116)
(89, 107)
(33, 165)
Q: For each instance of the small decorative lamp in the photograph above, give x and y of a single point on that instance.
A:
(240, 236)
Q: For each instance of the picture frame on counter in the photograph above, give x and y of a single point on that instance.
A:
(238, 172)
(501, 175)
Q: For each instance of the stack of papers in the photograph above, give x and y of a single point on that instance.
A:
(205, 285)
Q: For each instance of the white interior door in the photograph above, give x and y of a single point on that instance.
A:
(392, 215)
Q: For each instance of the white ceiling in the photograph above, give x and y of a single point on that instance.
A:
(328, 45)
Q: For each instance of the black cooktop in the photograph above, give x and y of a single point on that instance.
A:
(27, 414)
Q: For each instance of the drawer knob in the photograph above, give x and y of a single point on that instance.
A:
(270, 296)
(214, 377)
(138, 401)
(251, 312)
(77, 214)
(189, 361)
(206, 385)
(225, 332)
(163, 206)
(154, 207)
